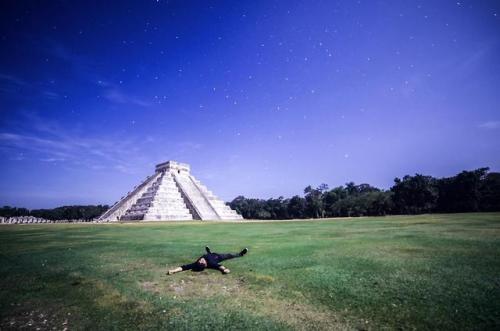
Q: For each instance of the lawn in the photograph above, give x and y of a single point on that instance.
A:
(400, 272)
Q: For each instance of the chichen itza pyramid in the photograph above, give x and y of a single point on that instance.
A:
(172, 193)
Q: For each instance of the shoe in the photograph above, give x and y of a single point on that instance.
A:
(244, 251)
(208, 250)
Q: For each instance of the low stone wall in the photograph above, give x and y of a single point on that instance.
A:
(37, 220)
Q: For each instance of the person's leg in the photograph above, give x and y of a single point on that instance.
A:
(223, 257)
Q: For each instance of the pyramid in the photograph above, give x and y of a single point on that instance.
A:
(172, 193)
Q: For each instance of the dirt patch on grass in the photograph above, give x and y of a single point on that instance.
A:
(235, 293)
(109, 298)
(299, 315)
(150, 287)
(200, 285)
(37, 316)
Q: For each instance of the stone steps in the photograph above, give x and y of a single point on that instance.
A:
(161, 201)
(222, 210)
(195, 196)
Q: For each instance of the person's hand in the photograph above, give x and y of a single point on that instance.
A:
(173, 271)
(226, 271)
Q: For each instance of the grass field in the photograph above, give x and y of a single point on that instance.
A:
(421, 272)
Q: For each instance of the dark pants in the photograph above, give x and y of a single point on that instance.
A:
(213, 260)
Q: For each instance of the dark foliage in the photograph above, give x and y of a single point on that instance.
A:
(59, 213)
(7, 211)
(489, 192)
(468, 191)
(462, 192)
(415, 194)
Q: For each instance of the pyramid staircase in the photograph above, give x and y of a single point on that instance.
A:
(161, 201)
(202, 207)
(223, 211)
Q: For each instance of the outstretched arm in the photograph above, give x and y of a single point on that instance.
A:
(224, 270)
(173, 271)
(181, 268)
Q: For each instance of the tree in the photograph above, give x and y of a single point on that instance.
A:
(490, 192)
(71, 212)
(415, 194)
(461, 193)
(351, 188)
(378, 203)
(314, 203)
(331, 197)
(277, 208)
(366, 188)
(7, 211)
(296, 207)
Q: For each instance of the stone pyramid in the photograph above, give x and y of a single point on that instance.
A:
(172, 193)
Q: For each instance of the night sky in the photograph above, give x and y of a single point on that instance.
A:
(262, 98)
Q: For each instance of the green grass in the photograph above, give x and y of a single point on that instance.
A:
(420, 272)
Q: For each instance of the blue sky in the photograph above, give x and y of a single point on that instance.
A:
(262, 98)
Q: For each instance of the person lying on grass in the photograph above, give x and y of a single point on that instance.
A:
(210, 261)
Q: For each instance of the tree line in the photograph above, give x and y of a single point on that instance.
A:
(468, 191)
(89, 212)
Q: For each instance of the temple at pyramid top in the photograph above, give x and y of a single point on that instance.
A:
(172, 193)
(173, 166)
